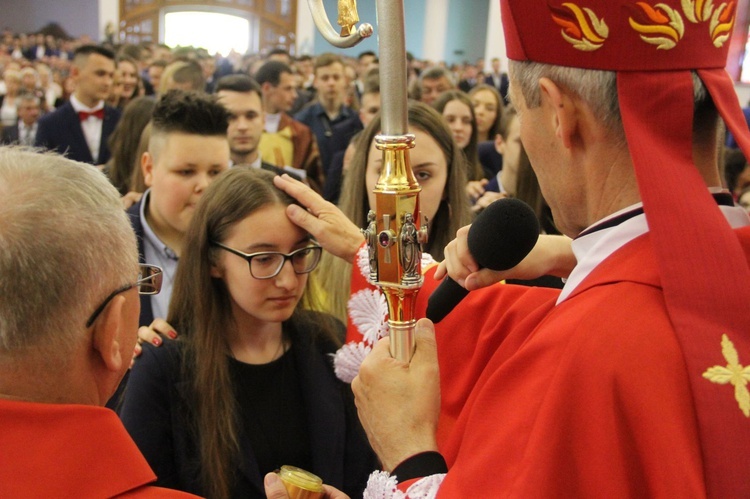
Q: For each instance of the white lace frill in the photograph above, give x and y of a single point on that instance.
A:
(348, 358)
(368, 312)
(381, 485)
(426, 488)
(363, 261)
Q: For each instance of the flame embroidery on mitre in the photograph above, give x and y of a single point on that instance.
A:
(660, 25)
(734, 373)
(697, 10)
(580, 27)
(722, 21)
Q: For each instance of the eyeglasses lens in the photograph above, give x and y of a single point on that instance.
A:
(149, 280)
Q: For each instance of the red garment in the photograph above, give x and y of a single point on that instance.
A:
(98, 114)
(76, 451)
(589, 398)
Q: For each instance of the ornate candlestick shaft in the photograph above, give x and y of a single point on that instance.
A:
(393, 233)
(399, 257)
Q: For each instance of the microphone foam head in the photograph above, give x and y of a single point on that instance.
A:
(503, 234)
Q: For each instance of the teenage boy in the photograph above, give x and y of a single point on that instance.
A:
(329, 109)
(187, 150)
(285, 141)
(240, 95)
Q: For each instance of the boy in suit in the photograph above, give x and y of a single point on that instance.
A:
(240, 95)
(80, 128)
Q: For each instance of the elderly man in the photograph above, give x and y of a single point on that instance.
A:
(68, 320)
(631, 382)
(24, 131)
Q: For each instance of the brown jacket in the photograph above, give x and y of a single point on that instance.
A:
(305, 156)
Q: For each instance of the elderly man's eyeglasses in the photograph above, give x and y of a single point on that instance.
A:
(148, 283)
(268, 264)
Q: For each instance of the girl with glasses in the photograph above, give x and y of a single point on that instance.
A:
(249, 386)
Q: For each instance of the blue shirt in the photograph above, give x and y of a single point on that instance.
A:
(322, 126)
(158, 253)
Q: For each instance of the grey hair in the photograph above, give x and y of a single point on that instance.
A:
(597, 88)
(65, 244)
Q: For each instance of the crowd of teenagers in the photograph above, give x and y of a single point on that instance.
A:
(180, 241)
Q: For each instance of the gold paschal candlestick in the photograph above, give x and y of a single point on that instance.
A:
(394, 234)
(398, 272)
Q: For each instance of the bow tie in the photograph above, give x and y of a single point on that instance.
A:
(99, 113)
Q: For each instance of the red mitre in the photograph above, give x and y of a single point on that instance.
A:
(653, 45)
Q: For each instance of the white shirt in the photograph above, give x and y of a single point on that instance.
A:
(592, 249)
(26, 134)
(500, 187)
(91, 126)
(272, 122)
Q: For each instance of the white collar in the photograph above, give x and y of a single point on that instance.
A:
(593, 248)
(79, 106)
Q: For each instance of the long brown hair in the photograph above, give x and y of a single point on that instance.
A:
(200, 309)
(495, 127)
(453, 213)
(125, 139)
(474, 168)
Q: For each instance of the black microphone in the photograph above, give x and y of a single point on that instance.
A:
(499, 238)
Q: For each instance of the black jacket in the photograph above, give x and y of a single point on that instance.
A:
(157, 411)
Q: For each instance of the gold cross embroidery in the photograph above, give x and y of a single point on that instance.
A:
(733, 373)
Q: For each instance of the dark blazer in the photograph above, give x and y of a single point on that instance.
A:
(334, 178)
(326, 131)
(10, 135)
(134, 212)
(61, 131)
(158, 411)
(502, 88)
(30, 53)
(467, 85)
(343, 133)
(490, 159)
